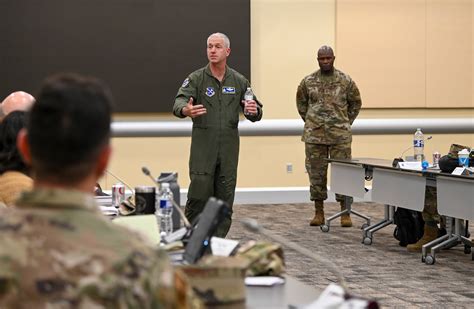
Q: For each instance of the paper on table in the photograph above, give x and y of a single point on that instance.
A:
(463, 171)
(335, 297)
(103, 200)
(144, 224)
(415, 166)
(264, 281)
(109, 210)
(223, 247)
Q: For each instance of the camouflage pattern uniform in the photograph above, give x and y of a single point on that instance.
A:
(58, 251)
(218, 281)
(328, 105)
(215, 138)
(430, 210)
(263, 258)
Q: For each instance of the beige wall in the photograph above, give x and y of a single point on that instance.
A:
(262, 159)
(377, 44)
(449, 32)
(408, 53)
(285, 37)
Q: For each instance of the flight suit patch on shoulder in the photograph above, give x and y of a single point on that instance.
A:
(185, 83)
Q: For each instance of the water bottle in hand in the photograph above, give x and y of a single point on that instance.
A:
(165, 210)
(248, 97)
(419, 145)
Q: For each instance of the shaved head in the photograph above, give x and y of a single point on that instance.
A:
(326, 50)
(17, 101)
(326, 59)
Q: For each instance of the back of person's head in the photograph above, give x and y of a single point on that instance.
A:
(17, 101)
(68, 127)
(10, 158)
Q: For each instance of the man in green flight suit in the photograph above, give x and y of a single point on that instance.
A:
(213, 97)
(328, 101)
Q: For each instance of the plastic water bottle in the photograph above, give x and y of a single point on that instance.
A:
(165, 210)
(419, 145)
(248, 96)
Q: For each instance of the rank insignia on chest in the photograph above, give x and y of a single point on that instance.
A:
(185, 83)
(228, 90)
(210, 91)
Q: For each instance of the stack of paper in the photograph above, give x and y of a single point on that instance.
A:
(264, 281)
(109, 210)
(105, 205)
(103, 200)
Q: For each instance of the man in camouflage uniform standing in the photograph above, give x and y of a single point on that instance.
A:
(56, 249)
(213, 97)
(328, 101)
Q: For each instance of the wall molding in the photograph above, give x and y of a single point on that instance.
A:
(294, 127)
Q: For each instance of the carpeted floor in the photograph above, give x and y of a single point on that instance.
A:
(383, 271)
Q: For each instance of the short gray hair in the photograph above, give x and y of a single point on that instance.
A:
(222, 36)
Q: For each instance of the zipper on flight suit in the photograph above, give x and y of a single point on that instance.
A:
(219, 93)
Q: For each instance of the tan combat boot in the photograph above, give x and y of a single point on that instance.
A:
(430, 233)
(318, 214)
(345, 218)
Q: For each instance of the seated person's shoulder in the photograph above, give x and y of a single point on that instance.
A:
(95, 266)
(12, 184)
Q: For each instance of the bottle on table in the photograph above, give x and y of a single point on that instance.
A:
(164, 210)
(419, 145)
(248, 96)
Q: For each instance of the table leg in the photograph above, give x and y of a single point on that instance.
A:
(367, 233)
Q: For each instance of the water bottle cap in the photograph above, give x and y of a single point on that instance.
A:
(165, 185)
(425, 165)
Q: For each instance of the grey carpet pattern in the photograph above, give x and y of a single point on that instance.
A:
(383, 271)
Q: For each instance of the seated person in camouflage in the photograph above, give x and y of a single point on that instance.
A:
(430, 210)
(56, 249)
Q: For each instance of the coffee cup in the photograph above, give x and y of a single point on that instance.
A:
(463, 157)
